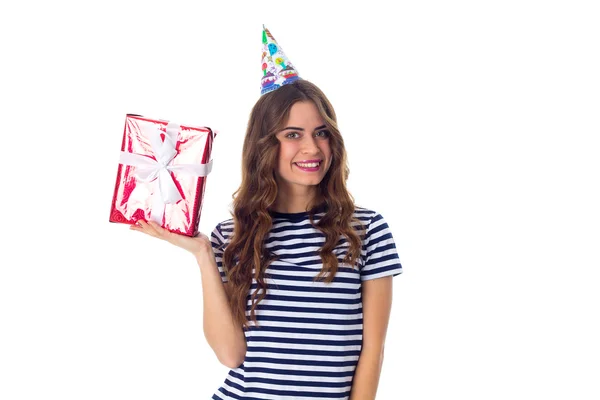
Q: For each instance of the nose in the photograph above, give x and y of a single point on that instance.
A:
(309, 145)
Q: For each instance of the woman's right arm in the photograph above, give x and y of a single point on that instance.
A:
(224, 336)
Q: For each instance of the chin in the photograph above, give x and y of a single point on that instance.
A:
(308, 182)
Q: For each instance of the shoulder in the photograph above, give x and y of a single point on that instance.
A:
(366, 216)
(372, 222)
(223, 231)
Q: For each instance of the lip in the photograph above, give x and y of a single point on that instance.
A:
(310, 169)
(307, 161)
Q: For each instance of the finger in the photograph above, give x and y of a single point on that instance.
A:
(136, 226)
(159, 230)
(147, 228)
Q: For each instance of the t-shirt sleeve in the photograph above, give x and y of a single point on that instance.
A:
(217, 240)
(379, 251)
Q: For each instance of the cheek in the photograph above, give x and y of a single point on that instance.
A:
(326, 150)
(285, 157)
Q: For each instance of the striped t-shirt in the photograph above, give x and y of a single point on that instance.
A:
(309, 337)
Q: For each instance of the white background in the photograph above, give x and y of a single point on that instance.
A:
(469, 126)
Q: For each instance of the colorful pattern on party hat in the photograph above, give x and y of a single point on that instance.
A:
(276, 67)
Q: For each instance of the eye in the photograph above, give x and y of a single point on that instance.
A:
(323, 133)
(291, 133)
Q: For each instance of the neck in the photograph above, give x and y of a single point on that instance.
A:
(294, 200)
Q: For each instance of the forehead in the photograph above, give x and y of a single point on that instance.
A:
(304, 114)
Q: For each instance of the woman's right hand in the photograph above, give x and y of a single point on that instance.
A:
(199, 245)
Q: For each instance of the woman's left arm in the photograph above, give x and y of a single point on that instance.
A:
(377, 304)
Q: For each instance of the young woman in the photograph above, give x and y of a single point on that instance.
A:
(297, 286)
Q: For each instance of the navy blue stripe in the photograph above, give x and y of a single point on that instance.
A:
(316, 321)
(315, 342)
(387, 257)
(277, 267)
(299, 394)
(287, 361)
(375, 218)
(308, 310)
(314, 262)
(383, 269)
(374, 242)
(285, 382)
(315, 373)
(317, 235)
(228, 393)
(318, 300)
(380, 248)
(278, 277)
(341, 245)
(330, 332)
(314, 256)
(279, 350)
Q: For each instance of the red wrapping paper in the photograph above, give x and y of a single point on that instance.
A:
(132, 199)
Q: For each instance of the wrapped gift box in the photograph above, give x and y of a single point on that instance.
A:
(162, 174)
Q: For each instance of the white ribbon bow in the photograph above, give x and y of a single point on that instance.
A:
(148, 169)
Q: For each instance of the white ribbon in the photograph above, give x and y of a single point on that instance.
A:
(148, 169)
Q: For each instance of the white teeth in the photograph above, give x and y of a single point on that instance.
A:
(308, 165)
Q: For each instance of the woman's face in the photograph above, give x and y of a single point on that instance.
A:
(304, 152)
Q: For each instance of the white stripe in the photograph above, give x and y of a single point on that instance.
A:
(296, 335)
(309, 306)
(316, 347)
(318, 389)
(331, 328)
(301, 378)
(326, 316)
(321, 295)
(316, 368)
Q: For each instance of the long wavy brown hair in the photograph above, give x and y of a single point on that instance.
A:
(258, 192)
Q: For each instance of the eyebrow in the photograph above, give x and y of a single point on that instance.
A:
(302, 129)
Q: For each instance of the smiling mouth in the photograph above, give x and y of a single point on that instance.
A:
(308, 165)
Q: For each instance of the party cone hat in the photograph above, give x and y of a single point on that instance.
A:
(276, 67)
